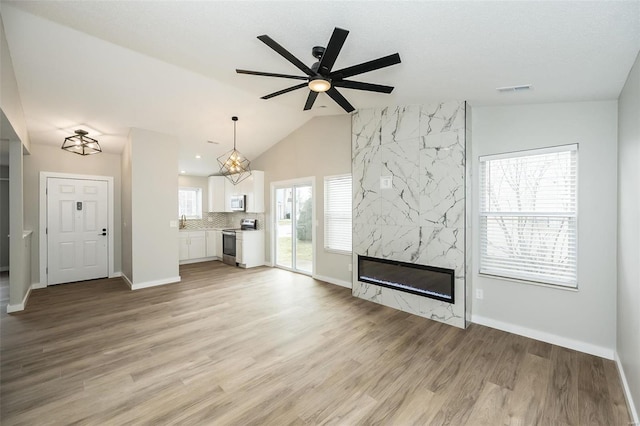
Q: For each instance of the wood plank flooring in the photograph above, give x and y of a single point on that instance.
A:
(228, 346)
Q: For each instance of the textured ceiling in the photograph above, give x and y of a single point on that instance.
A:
(170, 66)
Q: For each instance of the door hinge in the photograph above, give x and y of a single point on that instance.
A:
(46, 231)
(47, 269)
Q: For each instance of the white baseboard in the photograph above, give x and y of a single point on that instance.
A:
(36, 286)
(201, 259)
(627, 391)
(154, 283)
(4, 268)
(546, 337)
(341, 283)
(20, 306)
(126, 279)
(116, 275)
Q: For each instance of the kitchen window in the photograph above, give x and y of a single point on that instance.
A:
(190, 202)
(529, 215)
(337, 213)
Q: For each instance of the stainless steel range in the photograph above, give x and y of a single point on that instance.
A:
(229, 240)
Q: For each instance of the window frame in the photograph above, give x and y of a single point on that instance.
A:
(198, 207)
(574, 215)
(327, 217)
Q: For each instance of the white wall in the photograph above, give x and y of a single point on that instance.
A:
(154, 206)
(583, 319)
(4, 218)
(628, 332)
(321, 147)
(47, 158)
(125, 170)
(19, 278)
(10, 100)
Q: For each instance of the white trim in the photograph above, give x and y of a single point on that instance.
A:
(527, 152)
(20, 306)
(341, 283)
(4, 268)
(153, 283)
(43, 218)
(627, 391)
(554, 339)
(116, 275)
(198, 260)
(126, 280)
(36, 286)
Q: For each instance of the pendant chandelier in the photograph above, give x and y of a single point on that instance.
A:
(233, 165)
(81, 144)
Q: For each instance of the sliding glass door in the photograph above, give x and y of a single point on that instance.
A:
(293, 217)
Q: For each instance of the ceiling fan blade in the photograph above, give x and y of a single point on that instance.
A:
(286, 54)
(358, 85)
(332, 51)
(310, 100)
(283, 91)
(366, 67)
(270, 74)
(340, 100)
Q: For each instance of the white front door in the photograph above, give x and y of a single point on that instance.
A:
(77, 239)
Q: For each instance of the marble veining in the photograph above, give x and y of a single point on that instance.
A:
(422, 217)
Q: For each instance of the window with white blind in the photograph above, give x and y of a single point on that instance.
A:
(337, 213)
(528, 215)
(190, 203)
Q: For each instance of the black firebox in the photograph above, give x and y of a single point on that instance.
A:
(429, 281)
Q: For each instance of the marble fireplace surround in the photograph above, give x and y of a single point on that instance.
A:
(422, 217)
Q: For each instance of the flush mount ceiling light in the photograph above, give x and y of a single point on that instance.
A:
(81, 144)
(233, 165)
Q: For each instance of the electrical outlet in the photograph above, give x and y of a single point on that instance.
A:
(349, 268)
(479, 293)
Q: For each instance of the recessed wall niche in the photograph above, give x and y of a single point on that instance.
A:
(421, 218)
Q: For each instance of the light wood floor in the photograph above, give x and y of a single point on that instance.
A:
(267, 347)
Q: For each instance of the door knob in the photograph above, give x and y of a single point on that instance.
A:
(104, 231)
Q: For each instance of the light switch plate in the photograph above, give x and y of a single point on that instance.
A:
(386, 182)
(173, 223)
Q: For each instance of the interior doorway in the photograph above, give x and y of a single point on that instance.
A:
(294, 230)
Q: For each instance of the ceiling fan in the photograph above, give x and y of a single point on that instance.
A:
(320, 78)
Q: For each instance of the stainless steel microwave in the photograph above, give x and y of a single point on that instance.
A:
(238, 203)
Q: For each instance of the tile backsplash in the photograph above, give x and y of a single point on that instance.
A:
(223, 220)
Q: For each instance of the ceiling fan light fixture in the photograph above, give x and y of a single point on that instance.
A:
(319, 85)
(81, 144)
(233, 165)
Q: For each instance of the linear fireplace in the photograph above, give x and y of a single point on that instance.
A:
(423, 280)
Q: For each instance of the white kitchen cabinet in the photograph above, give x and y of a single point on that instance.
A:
(253, 188)
(250, 248)
(184, 246)
(214, 243)
(192, 245)
(220, 191)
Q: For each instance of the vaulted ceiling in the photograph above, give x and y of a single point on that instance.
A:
(170, 66)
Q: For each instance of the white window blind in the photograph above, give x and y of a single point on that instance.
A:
(528, 215)
(337, 213)
(190, 203)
